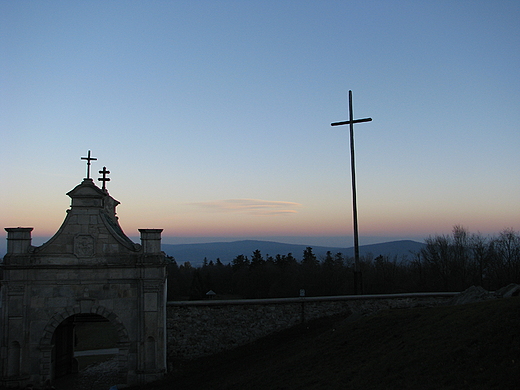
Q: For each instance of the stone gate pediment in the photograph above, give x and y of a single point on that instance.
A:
(89, 267)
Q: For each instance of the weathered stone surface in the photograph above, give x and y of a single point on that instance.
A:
(201, 328)
(88, 267)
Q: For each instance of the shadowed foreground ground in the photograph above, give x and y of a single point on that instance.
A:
(474, 346)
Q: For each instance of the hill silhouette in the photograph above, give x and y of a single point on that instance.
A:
(227, 251)
(472, 346)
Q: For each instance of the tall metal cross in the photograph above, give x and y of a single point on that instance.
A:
(358, 284)
(104, 179)
(89, 159)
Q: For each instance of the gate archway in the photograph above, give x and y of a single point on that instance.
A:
(57, 342)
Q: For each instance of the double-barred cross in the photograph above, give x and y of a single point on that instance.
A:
(104, 179)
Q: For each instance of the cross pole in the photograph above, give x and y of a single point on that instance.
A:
(89, 159)
(358, 283)
(104, 179)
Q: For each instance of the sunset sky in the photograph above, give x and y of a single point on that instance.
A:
(213, 117)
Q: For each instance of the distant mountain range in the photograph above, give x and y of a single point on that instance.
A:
(227, 251)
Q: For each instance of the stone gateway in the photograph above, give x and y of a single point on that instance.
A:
(88, 271)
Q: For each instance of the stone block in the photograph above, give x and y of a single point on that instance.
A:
(153, 273)
(15, 275)
(57, 302)
(38, 291)
(150, 302)
(46, 276)
(63, 275)
(85, 306)
(16, 329)
(129, 273)
(15, 306)
(151, 324)
(83, 220)
(74, 229)
(125, 306)
(88, 276)
(110, 248)
(107, 304)
(130, 321)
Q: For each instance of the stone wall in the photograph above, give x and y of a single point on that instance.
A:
(202, 328)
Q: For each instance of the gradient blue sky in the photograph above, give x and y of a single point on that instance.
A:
(214, 116)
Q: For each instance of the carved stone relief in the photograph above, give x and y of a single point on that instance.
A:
(84, 245)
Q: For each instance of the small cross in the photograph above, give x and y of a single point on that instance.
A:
(89, 159)
(104, 179)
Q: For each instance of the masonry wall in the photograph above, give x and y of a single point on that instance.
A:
(202, 328)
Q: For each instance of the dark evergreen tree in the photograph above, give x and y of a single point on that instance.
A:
(239, 262)
(197, 288)
(257, 259)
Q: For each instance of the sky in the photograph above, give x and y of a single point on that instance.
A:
(213, 117)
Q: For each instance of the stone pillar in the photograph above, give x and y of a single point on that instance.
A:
(18, 240)
(151, 240)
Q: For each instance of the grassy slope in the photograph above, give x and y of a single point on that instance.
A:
(474, 346)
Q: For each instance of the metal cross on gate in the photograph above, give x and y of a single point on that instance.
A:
(89, 159)
(104, 179)
(358, 284)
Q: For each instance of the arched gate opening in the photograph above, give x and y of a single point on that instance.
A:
(83, 340)
(75, 344)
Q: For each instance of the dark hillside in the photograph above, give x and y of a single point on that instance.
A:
(474, 346)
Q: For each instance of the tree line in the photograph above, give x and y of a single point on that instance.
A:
(451, 262)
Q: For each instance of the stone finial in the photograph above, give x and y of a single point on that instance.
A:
(151, 240)
(18, 239)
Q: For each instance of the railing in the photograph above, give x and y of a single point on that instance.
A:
(264, 301)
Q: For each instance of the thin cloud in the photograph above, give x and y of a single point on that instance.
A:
(249, 206)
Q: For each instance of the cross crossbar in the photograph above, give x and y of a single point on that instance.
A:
(349, 122)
